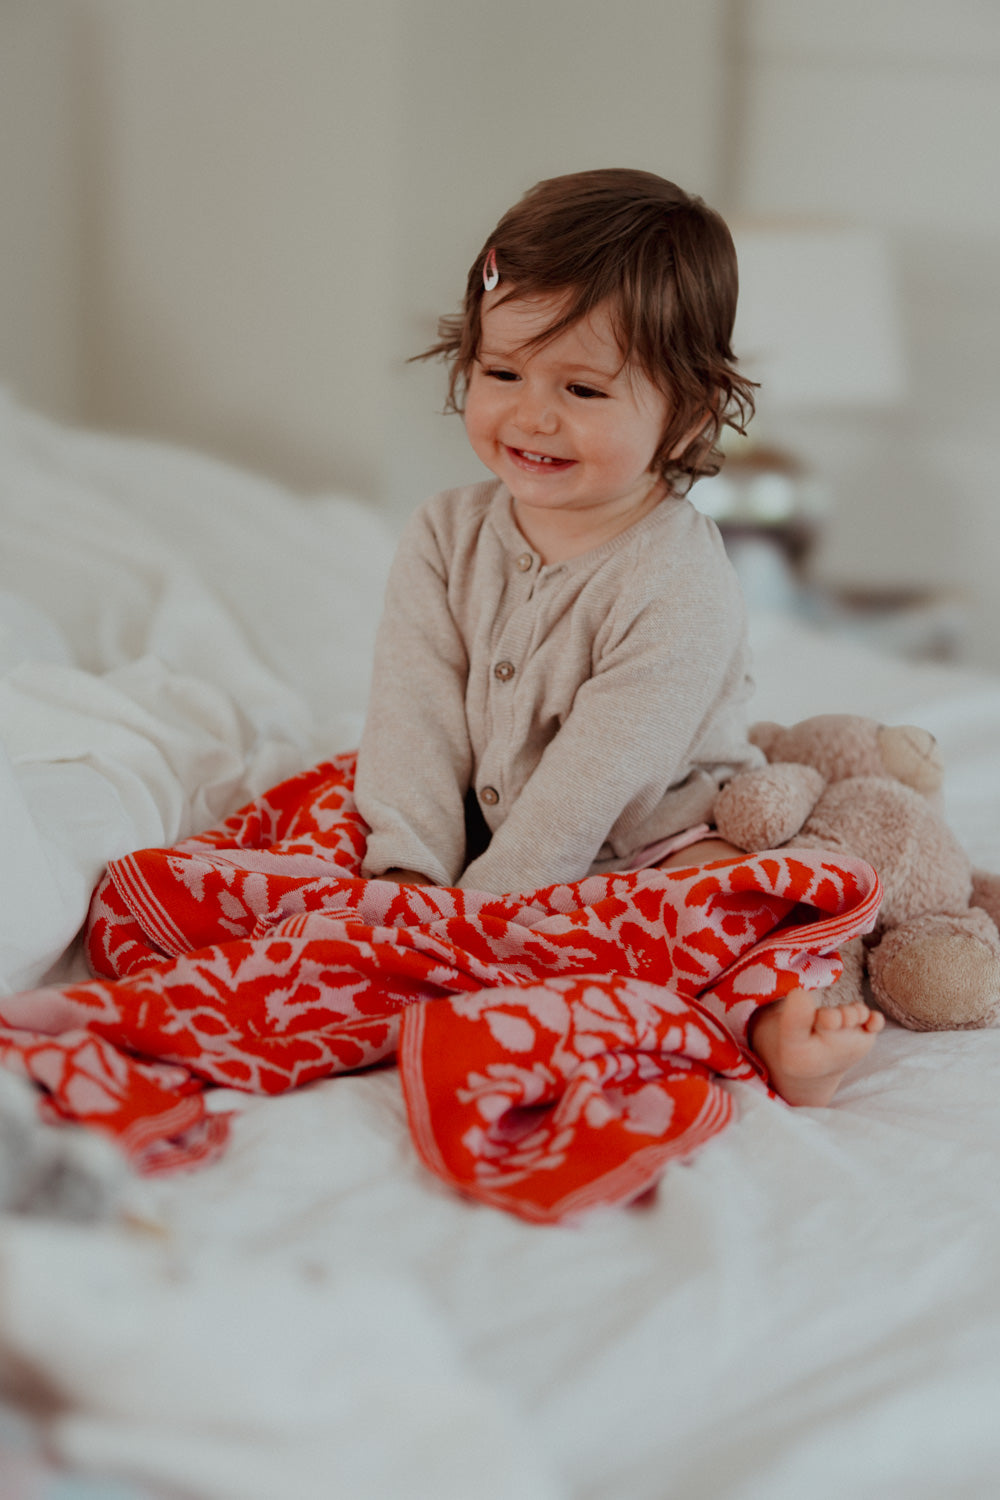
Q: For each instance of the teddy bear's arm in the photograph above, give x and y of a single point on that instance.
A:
(764, 808)
(986, 893)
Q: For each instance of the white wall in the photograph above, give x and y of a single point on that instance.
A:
(228, 222)
(494, 97)
(40, 293)
(888, 114)
(278, 197)
(239, 232)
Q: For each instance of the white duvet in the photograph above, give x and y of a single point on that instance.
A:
(174, 637)
(810, 1308)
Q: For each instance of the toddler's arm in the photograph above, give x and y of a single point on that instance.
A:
(414, 761)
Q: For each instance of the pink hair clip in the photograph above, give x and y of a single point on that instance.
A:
(491, 276)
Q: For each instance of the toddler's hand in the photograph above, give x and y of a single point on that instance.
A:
(407, 877)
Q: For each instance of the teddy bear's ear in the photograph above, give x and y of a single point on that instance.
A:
(764, 734)
(912, 756)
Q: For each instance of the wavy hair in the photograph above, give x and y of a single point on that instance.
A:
(665, 264)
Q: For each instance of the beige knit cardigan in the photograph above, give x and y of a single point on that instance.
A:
(594, 705)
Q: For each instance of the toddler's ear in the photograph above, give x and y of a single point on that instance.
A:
(697, 429)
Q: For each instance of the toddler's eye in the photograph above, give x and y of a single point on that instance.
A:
(500, 374)
(585, 392)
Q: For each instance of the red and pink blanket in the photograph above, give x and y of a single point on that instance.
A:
(556, 1047)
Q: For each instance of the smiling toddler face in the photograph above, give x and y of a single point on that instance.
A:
(564, 424)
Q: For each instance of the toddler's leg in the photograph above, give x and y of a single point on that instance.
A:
(702, 853)
(807, 1048)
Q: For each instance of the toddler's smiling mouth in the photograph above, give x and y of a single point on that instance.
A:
(530, 460)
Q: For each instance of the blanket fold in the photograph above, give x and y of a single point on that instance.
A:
(557, 1047)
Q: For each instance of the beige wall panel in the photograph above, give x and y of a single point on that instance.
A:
(238, 237)
(901, 147)
(899, 33)
(39, 205)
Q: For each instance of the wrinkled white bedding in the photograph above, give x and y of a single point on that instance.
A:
(810, 1308)
(174, 636)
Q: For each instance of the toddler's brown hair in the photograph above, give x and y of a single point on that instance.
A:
(665, 264)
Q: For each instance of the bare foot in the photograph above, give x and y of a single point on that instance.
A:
(807, 1048)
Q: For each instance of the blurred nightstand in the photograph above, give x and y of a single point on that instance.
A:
(921, 624)
(770, 510)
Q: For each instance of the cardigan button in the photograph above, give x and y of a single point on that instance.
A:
(504, 671)
(490, 796)
(525, 561)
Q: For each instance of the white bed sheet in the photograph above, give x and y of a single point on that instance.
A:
(811, 1307)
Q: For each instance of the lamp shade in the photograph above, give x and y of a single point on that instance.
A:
(817, 323)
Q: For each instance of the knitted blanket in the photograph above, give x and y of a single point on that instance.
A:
(556, 1047)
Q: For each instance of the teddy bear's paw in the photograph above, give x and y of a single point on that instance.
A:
(765, 807)
(939, 973)
(986, 893)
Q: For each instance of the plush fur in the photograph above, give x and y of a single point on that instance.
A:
(846, 783)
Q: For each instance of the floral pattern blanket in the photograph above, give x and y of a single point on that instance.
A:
(556, 1047)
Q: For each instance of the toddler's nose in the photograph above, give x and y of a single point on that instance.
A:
(535, 413)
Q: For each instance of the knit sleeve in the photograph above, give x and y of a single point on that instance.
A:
(414, 761)
(627, 739)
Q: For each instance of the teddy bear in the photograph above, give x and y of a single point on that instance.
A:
(850, 785)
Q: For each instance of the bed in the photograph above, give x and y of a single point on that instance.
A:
(810, 1306)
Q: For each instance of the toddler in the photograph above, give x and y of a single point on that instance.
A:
(561, 671)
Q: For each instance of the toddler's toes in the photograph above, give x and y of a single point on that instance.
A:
(854, 1015)
(807, 1048)
(799, 1010)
